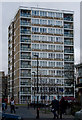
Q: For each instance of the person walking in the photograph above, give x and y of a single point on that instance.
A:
(3, 105)
(12, 105)
(55, 107)
(63, 106)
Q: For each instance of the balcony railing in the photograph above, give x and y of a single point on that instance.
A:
(25, 57)
(26, 66)
(28, 40)
(68, 51)
(68, 26)
(68, 67)
(25, 23)
(25, 15)
(27, 92)
(68, 59)
(68, 43)
(68, 35)
(25, 32)
(25, 49)
(25, 75)
(25, 84)
(68, 18)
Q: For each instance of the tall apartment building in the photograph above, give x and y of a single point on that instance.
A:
(47, 33)
(3, 85)
(79, 82)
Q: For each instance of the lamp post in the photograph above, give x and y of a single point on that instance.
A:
(37, 89)
(34, 89)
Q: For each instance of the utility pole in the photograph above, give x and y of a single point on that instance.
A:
(34, 89)
(37, 117)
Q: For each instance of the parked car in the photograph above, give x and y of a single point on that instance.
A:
(78, 115)
(7, 116)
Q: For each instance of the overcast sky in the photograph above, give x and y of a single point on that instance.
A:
(9, 10)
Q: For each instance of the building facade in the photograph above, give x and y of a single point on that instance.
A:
(79, 82)
(3, 85)
(49, 34)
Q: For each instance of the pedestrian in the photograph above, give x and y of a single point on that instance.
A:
(63, 106)
(12, 105)
(6, 101)
(3, 105)
(55, 107)
(28, 104)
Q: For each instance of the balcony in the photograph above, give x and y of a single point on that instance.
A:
(27, 92)
(25, 57)
(68, 18)
(68, 59)
(26, 66)
(25, 84)
(28, 40)
(25, 23)
(68, 68)
(25, 31)
(25, 15)
(68, 51)
(25, 75)
(25, 49)
(68, 35)
(68, 26)
(68, 42)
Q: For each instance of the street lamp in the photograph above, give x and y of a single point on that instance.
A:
(37, 89)
(34, 89)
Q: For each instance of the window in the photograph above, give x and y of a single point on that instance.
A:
(43, 63)
(51, 14)
(59, 23)
(43, 30)
(43, 38)
(51, 22)
(51, 55)
(43, 72)
(59, 39)
(59, 15)
(35, 37)
(51, 64)
(35, 13)
(51, 39)
(59, 47)
(51, 47)
(43, 55)
(59, 31)
(43, 13)
(43, 22)
(34, 53)
(51, 30)
(58, 81)
(35, 21)
(59, 64)
(34, 63)
(43, 46)
(35, 29)
(59, 73)
(52, 72)
(80, 80)
(59, 56)
(35, 46)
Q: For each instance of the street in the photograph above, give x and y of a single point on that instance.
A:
(30, 114)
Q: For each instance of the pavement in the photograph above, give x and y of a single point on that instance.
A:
(30, 114)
